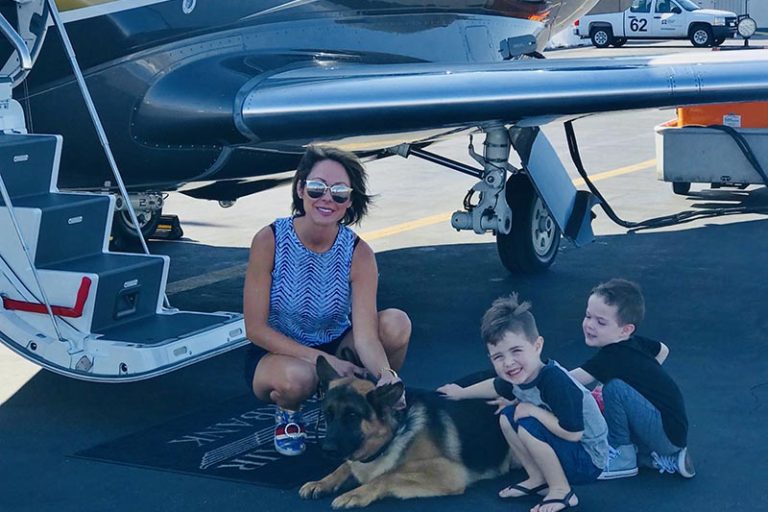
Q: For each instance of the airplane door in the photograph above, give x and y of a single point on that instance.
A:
(667, 19)
(638, 22)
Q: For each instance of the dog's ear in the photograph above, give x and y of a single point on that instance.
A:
(385, 396)
(325, 373)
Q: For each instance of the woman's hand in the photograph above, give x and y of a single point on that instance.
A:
(345, 368)
(389, 376)
(451, 391)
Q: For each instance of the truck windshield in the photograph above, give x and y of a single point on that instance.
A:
(688, 5)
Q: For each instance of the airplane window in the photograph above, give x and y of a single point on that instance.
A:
(641, 6)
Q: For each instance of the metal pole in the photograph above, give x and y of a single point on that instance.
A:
(9, 206)
(97, 124)
(25, 58)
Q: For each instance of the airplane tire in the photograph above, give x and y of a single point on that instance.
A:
(531, 246)
(124, 236)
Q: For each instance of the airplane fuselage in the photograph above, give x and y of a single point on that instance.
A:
(169, 77)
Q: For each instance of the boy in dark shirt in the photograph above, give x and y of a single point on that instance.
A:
(644, 408)
(550, 421)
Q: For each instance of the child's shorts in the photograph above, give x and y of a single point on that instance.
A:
(255, 353)
(576, 462)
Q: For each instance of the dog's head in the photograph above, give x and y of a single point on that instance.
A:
(359, 416)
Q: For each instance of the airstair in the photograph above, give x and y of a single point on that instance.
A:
(69, 304)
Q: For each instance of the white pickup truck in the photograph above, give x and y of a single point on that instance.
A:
(658, 19)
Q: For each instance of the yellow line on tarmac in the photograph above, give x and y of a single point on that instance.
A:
(406, 226)
(443, 217)
(618, 172)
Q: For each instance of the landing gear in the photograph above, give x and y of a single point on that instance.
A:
(148, 208)
(504, 200)
(531, 246)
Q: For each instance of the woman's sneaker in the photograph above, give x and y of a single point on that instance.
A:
(622, 463)
(679, 462)
(290, 434)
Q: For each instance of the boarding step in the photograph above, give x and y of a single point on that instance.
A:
(163, 328)
(29, 163)
(128, 286)
(62, 226)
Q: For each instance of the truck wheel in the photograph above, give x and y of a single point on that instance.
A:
(618, 42)
(601, 36)
(681, 188)
(701, 36)
(531, 246)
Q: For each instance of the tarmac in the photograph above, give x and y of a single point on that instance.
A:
(704, 284)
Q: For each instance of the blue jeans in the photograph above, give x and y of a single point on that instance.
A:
(634, 420)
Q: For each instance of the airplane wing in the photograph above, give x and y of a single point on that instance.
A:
(358, 100)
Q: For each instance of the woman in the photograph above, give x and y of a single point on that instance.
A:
(310, 290)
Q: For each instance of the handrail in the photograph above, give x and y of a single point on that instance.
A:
(13, 37)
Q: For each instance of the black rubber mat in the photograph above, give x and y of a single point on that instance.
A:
(231, 441)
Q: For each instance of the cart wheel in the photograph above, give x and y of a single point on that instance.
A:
(681, 188)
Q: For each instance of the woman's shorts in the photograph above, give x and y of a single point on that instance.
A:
(254, 354)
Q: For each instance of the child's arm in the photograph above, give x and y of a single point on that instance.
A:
(483, 389)
(547, 419)
(585, 378)
(663, 353)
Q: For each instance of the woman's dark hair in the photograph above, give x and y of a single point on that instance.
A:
(355, 171)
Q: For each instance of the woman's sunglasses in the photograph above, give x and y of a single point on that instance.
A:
(339, 192)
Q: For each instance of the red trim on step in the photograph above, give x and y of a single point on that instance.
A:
(33, 307)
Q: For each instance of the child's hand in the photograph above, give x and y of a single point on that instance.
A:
(501, 403)
(451, 391)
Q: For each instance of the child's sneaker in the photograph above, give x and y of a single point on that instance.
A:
(290, 434)
(622, 463)
(679, 462)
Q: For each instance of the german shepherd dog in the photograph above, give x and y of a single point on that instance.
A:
(434, 447)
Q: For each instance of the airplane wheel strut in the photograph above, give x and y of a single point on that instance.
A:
(531, 246)
(124, 235)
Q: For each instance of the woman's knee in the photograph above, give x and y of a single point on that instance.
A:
(394, 329)
(289, 382)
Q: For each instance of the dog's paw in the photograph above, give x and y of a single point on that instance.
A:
(352, 499)
(313, 490)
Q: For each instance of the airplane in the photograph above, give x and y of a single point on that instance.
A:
(216, 98)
